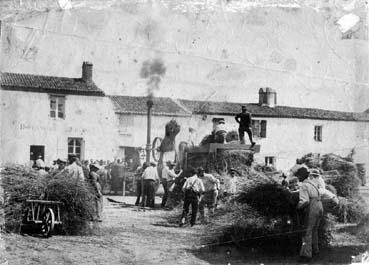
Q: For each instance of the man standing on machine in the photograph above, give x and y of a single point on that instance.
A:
(244, 120)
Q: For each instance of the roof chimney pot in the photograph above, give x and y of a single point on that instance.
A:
(87, 72)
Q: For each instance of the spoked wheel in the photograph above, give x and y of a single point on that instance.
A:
(48, 222)
(155, 148)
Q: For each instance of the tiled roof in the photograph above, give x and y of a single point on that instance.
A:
(228, 108)
(137, 105)
(48, 84)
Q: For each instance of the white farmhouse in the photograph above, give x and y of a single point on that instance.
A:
(55, 117)
(284, 133)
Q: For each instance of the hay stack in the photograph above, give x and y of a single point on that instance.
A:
(21, 184)
(208, 139)
(172, 128)
(78, 200)
(232, 136)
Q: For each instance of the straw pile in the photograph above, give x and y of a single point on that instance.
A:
(172, 128)
(78, 202)
(341, 174)
(21, 183)
(232, 136)
(208, 139)
(263, 213)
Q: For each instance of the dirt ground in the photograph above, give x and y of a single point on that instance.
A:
(131, 236)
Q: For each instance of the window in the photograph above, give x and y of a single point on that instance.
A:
(57, 107)
(75, 147)
(270, 161)
(259, 128)
(318, 133)
(126, 123)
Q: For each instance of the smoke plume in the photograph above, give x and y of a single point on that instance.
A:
(153, 71)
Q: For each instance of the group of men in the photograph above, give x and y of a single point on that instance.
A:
(200, 190)
(147, 179)
(312, 189)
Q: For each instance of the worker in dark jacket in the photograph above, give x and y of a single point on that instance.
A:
(244, 120)
(139, 182)
(95, 182)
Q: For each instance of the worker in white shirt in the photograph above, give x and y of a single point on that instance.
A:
(74, 170)
(310, 199)
(167, 179)
(150, 177)
(40, 163)
(193, 189)
(211, 185)
(219, 130)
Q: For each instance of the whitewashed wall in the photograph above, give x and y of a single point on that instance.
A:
(288, 139)
(25, 121)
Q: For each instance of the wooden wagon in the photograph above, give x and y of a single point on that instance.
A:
(44, 215)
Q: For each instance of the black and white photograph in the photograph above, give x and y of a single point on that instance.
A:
(189, 132)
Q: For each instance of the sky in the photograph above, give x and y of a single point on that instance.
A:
(211, 50)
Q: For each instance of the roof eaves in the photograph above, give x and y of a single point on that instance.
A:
(54, 90)
(153, 113)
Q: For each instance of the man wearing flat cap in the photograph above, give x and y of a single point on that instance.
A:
(310, 199)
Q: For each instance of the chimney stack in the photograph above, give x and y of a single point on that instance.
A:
(267, 97)
(87, 72)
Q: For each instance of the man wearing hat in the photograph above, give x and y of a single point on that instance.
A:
(310, 199)
(211, 185)
(61, 167)
(150, 177)
(326, 194)
(74, 169)
(95, 182)
(167, 179)
(244, 120)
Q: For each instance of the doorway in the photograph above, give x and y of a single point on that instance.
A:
(35, 151)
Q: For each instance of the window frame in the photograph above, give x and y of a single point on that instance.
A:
(74, 146)
(318, 133)
(259, 128)
(58, 101)
(268, 159)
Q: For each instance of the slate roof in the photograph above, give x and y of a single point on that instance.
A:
(48, 84)
(230, 108)
(137, 105)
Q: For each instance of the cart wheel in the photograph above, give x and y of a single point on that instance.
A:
(48, 222)
(155, 145)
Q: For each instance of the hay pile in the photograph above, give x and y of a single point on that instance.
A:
(232, 136)
(21, 183)
(78, 202)
(341, 174)
(263, 213)
(172, 128)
